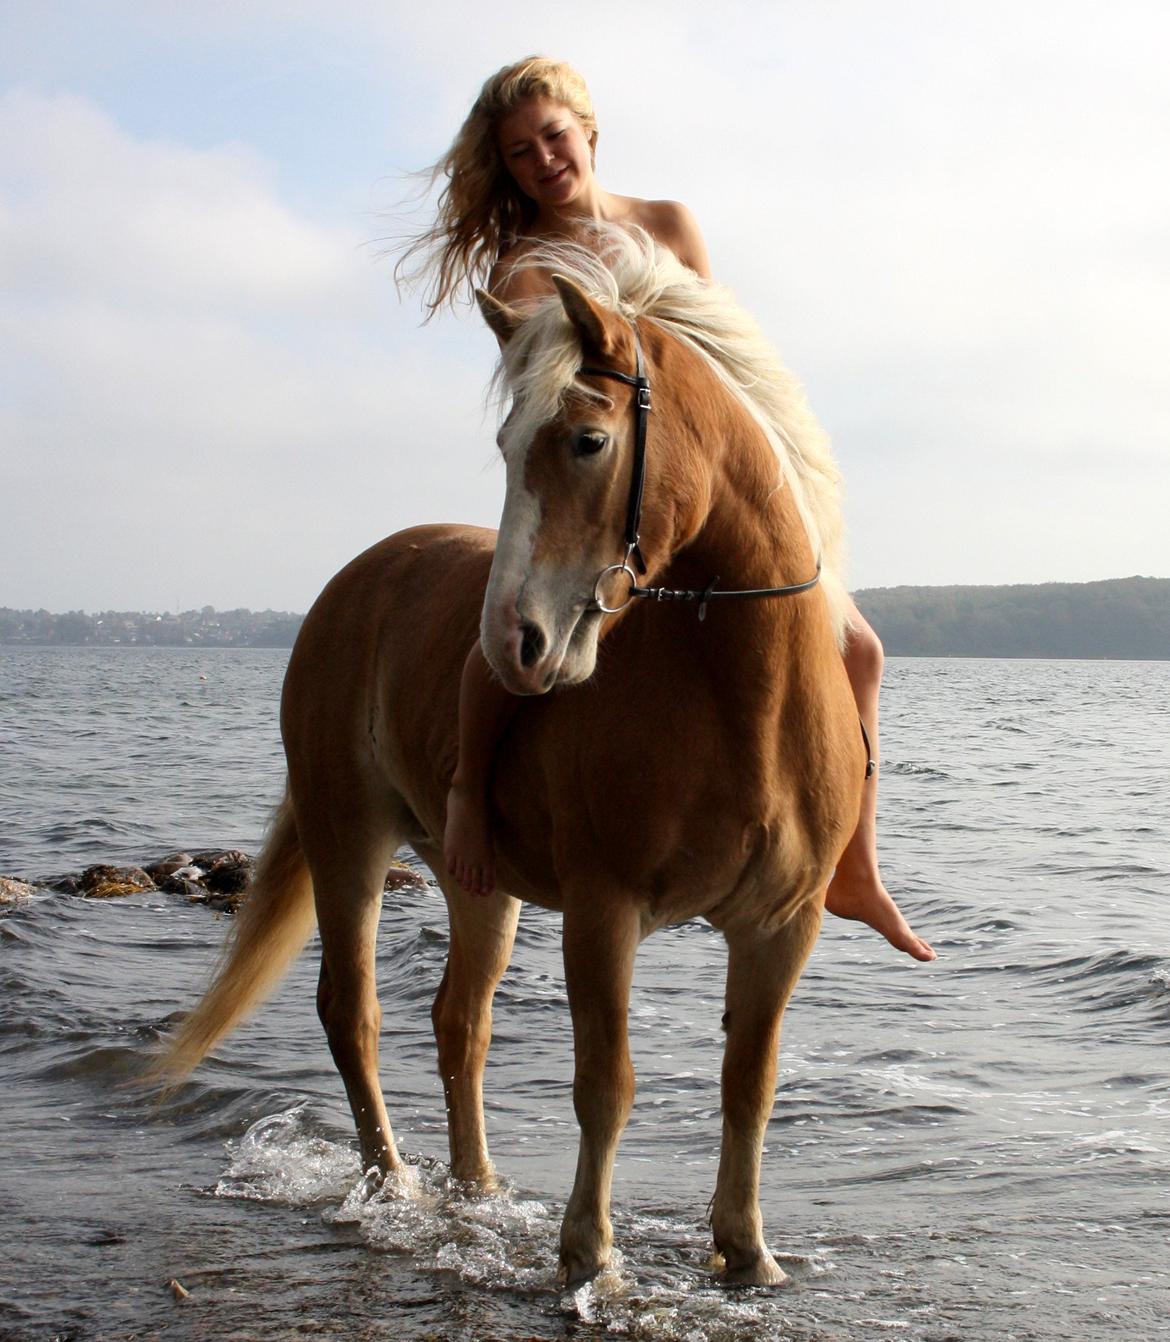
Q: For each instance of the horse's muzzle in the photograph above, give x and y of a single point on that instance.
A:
(531, 653)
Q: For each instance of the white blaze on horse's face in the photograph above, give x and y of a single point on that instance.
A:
(561, 525)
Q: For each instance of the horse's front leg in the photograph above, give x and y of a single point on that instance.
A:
(762, 970)
(483, 930)
(600, 942)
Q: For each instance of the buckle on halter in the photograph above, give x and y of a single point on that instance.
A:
(644, 396)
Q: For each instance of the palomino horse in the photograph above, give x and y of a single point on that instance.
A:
(688, 768)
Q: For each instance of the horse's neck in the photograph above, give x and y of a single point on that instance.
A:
(735, 511)
(753, 534)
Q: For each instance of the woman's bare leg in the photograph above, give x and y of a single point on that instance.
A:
(485, 709)
(856, 890)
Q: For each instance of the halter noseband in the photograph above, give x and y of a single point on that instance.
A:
(641, 384)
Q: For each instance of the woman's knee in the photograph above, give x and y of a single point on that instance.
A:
(864, 655)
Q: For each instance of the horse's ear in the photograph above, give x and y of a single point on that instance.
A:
(503, 320)
(586, 316)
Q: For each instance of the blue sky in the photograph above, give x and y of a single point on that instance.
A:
(953, 219)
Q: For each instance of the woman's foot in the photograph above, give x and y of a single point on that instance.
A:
(864, 898)
(467, 842)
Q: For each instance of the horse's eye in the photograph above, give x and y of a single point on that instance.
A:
(589, 442)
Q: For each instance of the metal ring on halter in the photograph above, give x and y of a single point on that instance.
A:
(601, 577)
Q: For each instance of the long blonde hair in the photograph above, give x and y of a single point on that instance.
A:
(481, 210)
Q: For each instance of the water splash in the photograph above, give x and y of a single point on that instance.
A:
(505, 1242)
(279, 1159)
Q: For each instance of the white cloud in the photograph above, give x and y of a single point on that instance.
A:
(190, 361)
(92, 211)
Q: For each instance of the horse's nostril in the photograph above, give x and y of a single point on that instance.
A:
(531, 644)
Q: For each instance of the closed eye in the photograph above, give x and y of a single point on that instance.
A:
(589, 442)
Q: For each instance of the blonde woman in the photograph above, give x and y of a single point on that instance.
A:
(521, 172)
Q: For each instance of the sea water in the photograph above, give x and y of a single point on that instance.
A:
(973, 1149)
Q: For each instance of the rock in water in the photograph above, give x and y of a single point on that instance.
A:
(64, 885)
(225, 875)
(103, 882)
(230, 878)
(218, 857)
(167, 866)
(401, 875)
(14, 891)
(179, 884)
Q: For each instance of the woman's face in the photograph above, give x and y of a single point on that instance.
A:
(546, 150)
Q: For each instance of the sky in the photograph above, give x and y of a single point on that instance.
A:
(952, 219)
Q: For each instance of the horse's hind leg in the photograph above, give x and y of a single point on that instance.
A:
(483, 929)
(349, 899)
(762, 970)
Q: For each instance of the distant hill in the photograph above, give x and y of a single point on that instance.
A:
(1120, 618)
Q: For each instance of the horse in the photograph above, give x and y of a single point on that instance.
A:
(663, 767)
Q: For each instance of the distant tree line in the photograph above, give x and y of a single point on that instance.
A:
(206, 628)
(1120, 618)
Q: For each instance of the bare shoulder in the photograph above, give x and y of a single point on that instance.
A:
(673, 225)
(512, 282)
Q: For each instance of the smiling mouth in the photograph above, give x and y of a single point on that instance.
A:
(554, 176)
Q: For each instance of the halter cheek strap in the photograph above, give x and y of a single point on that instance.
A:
(641, 384)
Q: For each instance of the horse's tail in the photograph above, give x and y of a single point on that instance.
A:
(270, 930)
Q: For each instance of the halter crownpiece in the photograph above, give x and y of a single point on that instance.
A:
(641, 384)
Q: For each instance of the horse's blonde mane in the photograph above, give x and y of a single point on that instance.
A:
(629, 274)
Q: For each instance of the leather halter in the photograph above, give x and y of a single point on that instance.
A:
(641, 384)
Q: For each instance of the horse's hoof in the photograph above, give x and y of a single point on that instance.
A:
(478, 1183)
(586, 1245)
(572, 1276)
(762, 1270)
(576, 1271)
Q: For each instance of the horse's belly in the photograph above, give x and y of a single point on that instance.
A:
(751, 872)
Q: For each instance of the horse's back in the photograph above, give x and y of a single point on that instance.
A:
(370, 699)
(403, 576)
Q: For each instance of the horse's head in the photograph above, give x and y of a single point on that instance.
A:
(738, 472)
(568, 445)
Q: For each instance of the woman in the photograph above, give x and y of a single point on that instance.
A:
(521, 170)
